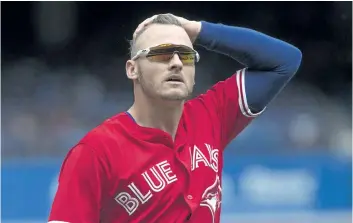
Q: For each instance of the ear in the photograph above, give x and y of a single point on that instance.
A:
(131, 70)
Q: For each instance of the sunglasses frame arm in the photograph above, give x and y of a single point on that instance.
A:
(139, 53)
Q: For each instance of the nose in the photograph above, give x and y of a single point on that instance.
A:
(175, 63)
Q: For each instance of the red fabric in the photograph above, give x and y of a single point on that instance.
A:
(122, 172)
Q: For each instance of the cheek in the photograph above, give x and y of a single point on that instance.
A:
(149, 70)
(190, 75)
(152, 73)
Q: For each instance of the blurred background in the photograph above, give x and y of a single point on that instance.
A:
(63, 73)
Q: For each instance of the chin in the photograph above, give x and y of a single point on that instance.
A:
(175, 96)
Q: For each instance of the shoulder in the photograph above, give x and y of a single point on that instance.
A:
(108, 134)
(215, 98)
(102, 145)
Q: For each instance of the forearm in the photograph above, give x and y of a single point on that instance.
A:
(255, 50)
(271, 62)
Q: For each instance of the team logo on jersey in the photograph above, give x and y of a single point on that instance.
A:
(211, 198)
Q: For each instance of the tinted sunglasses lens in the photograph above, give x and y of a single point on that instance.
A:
(169, 48)
(166, 52)
(160, 57)
(187, 58)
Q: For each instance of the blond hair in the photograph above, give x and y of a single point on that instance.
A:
(164, 19)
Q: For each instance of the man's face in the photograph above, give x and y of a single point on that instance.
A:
(153, 76)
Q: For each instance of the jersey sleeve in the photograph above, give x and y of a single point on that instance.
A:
(227, 100)
(79, 194)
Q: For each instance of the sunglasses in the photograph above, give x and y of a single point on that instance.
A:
(165, 52)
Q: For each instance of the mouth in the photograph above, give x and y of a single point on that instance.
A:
(175, 78)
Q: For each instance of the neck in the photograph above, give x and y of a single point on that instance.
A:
(164, 115)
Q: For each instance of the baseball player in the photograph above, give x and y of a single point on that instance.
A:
(162, 159)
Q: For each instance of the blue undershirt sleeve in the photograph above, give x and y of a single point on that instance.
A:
(270, 62)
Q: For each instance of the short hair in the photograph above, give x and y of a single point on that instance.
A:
(164, 19)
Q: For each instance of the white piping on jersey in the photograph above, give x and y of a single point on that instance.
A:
(244, 107)
(58, 222)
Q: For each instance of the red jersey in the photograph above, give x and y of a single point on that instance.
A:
(122, 172)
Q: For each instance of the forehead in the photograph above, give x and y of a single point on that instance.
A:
(159, 34)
